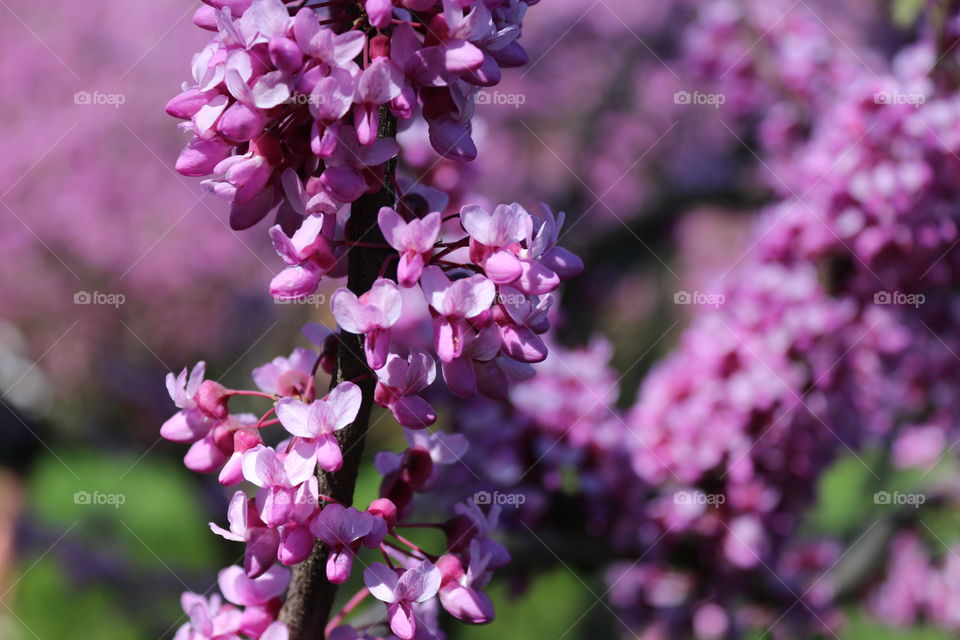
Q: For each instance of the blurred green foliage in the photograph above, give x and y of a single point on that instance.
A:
(157, 534)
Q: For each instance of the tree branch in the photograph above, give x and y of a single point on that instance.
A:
(310, 596)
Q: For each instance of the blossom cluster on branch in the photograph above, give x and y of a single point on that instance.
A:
(289, 110)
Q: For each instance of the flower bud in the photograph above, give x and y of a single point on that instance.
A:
(384, 508)
(212, 399)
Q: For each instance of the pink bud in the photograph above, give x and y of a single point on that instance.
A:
(212, 399)
(384, 508)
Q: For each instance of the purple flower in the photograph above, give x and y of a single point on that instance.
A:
(371, 315)
(400, 590)
(379, 84)
(398, 383)
(455, 302)
(495, 238)
(189, 424)
(286, 376)
(435, 449)
(460, 593)
(414, 241)
(246, 526)
(210, 619)
(316, 424)
(308, 254)
(278, 476)
(344, 530)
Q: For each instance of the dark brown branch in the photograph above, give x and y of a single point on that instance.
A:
(310, 597)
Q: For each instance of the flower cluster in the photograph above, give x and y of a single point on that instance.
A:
(291, 109)
(287, 514)
(285, 101)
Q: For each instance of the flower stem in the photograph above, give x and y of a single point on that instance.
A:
(310, 596)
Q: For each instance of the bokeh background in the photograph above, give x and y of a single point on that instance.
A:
(117, 270)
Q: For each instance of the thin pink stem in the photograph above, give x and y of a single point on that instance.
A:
(260, 423)
(257, 394)
(414, 547)
(350, 605)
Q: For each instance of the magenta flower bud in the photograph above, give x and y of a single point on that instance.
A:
(187, 104)
(212, 399)
(512, 55)
(241, 122)
(379, 45)
(285, 54)
(417, 467)
(379, 12)
(206, 18)
(200, 156)
(384, 508)
(450, 567)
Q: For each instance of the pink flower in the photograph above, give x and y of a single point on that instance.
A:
(425, 453)
(316, 424)
(210, 452)
(260, 596)
(398, 383)
(460, 592)
(321, 43)
(525, 318)
(278, 476)
(495, 238)
(414, 240)
(448, 49)
(379, 12)
(344, 530)
(371, 315)
(544, 245)
(378, 85)
(210, 619)
(401, 590)
(296, 541)
(240, 589)
(455, 302)
(476, 366)
(246, 526)
(286, 376)
(308, 254)
(189, 424)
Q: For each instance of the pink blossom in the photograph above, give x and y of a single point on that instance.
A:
(210, 619)
(460, 591)
(379, 84)
(246, 526)
(455, 302)
(189, 424)
(414, 240)
(286, 376)
(371, 315)
(296, 541)
(398, 383)
(308, 255)
(278, 476)
(315, 424)
(400, 590)
(495, 238)
(260, 596)
(344, 530)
